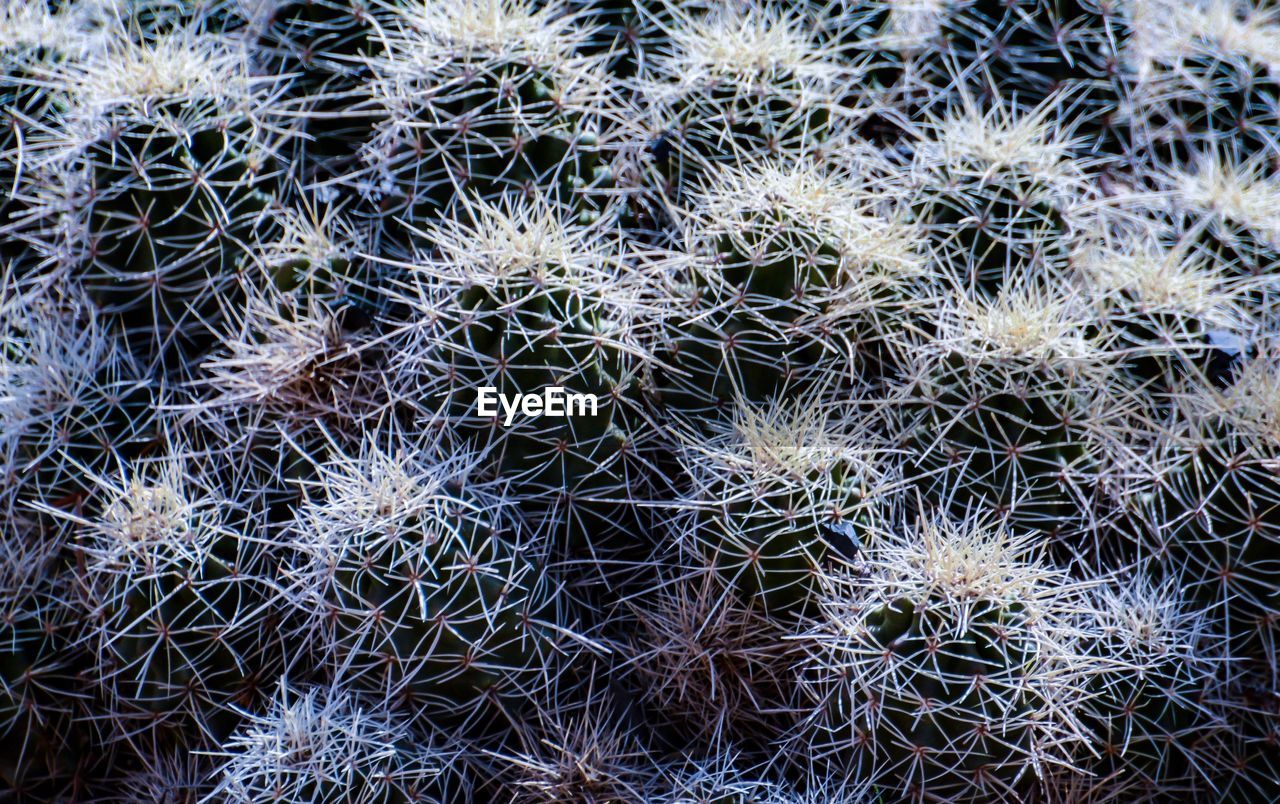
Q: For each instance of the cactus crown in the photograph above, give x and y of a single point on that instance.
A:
(1242, 194)
(949, 633)
(377, 489)
(1148, 277)
(522, 246)
(137, 74)
(502, 29)
(513, 238)
(313, 237)
(152, 522)
(52, 353)
(782, 195)
(321, 745)
(289, 354)
(962, 563)
(1168, 33)
(1252, 402)
(750, 49)
(984, 142)
(29, 25)
(710, 661)
(790, 441)
(1149, 620)
(1030, 321)
(584, 757)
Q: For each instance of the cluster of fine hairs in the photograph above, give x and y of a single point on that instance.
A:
(920, 370)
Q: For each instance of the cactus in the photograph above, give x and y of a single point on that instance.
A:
(30, 36)
(318, 254)
(324, 745)
(885, 41)
(293, 359)
(706, 664)
(996, 191)
(483, 97)
(168, 778)
(35, 676)
(737, 82)
(918, 376)
(181, 627)
(1231, 215)
(766, 495)
(947, 668)
(320, 43)
(1004, 409)
(1151, 712)
(731, 778)
(1203, 78)
(154, 182)
(419, 586)
(1212, 503)
(70, 401)
(518, 299)
(1177, 317)
(694, 782)
(792, 279)
(1027, 50)
(622, 32)
(1254, 753)
(320, 50)
(583, 751)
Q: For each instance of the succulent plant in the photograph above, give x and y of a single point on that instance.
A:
(947, 666)
(1177, 316)
(916, 361)
(293, 358)
(1027, 50)
(622, 32)
(792, 279)
(995, 190)
(36, 679)
(1203, 77)
(321, 253)
(324, 745)
(589, 749)
(767, 497)
(31, 37)
(319, 50)
(181, 624)
(419, 585)
(168, 778)
(1004, 409)
(730, 777)
(1152, 708)
(71, 403)
(517, 299)
(478, 98)
(1214, 514)
(706, 663)
(153, 183)
(1229, 209)
(321, 44)
(737, 82)
(1254, 753)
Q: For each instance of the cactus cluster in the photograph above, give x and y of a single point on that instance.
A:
(639, 402)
